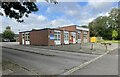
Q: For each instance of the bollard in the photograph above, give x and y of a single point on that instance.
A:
(91, 46)
(106, 46)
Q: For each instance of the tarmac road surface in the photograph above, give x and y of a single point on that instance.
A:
(107, 65)
(55, 64)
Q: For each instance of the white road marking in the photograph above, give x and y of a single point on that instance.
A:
(83, 65)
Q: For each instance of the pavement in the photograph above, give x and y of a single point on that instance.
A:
(85, 48)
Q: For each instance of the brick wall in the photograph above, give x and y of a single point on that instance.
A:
(39, 37)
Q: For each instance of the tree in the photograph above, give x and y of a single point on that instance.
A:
(115, 20)
(114, 34)
(8, 33)
(8, 28)
(98, 26)
(84, 26)
(103, 26)
(17, 10)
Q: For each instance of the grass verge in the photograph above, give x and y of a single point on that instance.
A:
(108, 41)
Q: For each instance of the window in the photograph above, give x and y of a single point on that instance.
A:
(27, 37)
(79, 33)
(57, 35)
(85, 34)
(73, 34)
(23, 36)
(66, 36)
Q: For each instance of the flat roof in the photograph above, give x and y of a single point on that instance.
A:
(77, 27)
(81, 28)
(42, 29)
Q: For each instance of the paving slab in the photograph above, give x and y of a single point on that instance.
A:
(85, 48)
(98, 48)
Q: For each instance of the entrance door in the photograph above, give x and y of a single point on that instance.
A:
(73, 37)
(79, 37)
(57, 35)
(66, 37)
(27, 40)
(85, 37)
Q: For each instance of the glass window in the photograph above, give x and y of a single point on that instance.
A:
(66, 37)
(23, 36)
(27, 36)
(85, 35)
(73, 34)
(79, 35)
(57, 35)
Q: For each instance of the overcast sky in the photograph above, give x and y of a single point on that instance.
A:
(64, 13)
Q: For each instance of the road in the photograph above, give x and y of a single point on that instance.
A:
(55, 64)
(107, 65)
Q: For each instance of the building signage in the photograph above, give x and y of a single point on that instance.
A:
(51, 36)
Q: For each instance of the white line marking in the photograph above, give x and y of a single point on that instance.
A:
(83, 65)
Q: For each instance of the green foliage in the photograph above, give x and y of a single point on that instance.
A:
(8, 34)
(114, 34)
(104, 25)
(8, 27)
(24, 8)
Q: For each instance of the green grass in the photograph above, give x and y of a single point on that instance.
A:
(108, 41)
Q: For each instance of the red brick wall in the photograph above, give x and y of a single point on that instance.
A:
(50, 42)
(20, 38)
(76, 37)
(88, 36)
(39, 37)
(68, 28)
(42, 37)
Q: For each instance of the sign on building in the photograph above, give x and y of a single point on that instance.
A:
(51, 36)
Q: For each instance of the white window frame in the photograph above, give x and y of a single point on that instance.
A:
(57, 34)
(85, 34)
(79, 34)
(27, 36)
(73, 34)
(66, 36)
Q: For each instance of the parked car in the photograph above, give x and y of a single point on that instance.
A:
(6, 40)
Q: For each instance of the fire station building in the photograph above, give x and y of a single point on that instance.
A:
(49, 37)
